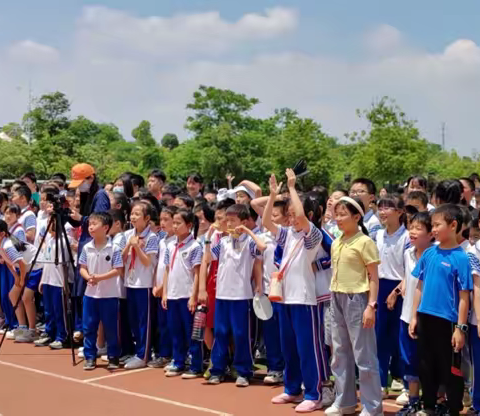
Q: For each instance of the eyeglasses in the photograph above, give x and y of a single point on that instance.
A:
(386, 209)
(359, 192)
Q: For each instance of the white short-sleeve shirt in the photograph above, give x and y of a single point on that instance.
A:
(181, 259)
(54, 275)
(136, 274)
(299, 278)
(235, 266)
(392, 249)
(161, 266)
(102, 261)
(120, 241)
(372, 224)
(269, 265)
(411, 283)
(27, 219)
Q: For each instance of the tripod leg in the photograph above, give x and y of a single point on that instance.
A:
(61, 235)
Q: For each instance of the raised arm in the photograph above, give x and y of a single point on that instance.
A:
(296, 203)
(253, 187)
(267, 213)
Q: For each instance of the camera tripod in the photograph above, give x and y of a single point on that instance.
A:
(61, 241)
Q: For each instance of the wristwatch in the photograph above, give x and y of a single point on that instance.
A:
(462, 327)
(373, 305)
(398, 291)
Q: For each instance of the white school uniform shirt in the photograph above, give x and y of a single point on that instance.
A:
(392, 249)
(100, 262)
(42, 222)
(162, 249)
(27, 219)
(473, 253)
(54, 275)
(235, 266)
(181, 258)
(269, 265)
(299, 278)
(411, 282)
(12, 253)
(372, 224)
(137, 275)
(120, 241)
(323, 269)
(17, 231)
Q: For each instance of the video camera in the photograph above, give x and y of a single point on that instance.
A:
(60, 204)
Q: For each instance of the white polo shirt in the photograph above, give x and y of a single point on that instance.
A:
(269, 265)
(181, 258)
(54, 275)
(299, 278)
(27, 219)
(120, 241)
(235, 266)
(372, 224)
(12, 253)
(411, 282)
(138, 276)
(392, 249)
(323, 269)
(100, 262)
(161, 266)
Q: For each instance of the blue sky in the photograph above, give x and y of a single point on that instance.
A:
(352, 52)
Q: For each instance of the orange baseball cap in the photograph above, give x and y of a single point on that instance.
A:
(80, 172)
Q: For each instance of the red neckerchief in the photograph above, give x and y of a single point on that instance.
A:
(179, 246)
(134, 253)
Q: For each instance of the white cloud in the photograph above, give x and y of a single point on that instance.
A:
(123, 69)
(30, 52)
(383, 39)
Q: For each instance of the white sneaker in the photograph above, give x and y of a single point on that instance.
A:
(80, 354)
(104, 358)
(169, 366)
(403, 399)
(336, 411)
(397, 385)
(135, 363)
(10, 335)
(328, 396)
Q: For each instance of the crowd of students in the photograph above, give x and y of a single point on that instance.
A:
(372, 292)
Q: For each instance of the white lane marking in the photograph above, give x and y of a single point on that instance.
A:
(117, 374)
(116, 390)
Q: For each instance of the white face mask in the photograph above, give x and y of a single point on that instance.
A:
(85, 186)
(118, 189)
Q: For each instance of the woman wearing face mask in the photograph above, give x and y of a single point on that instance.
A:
(123, 184)
(92, 199)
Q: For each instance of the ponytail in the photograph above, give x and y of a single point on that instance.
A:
(20, 246)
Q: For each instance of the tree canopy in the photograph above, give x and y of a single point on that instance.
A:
(226, 138)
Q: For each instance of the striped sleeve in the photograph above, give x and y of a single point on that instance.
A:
(195, 256)
(20, 234)
(82, 260)
(215, 249)
(313, 238)
(151, 246)
(407, 244)
(30, 222)
(117, 261)
(166, 259)
(122, 242)
(254, 251)
(372, 233)
(281, 237)
(474, 263)
(12, 254)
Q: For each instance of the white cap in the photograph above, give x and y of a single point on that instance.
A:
(225, 193)
(242, 188)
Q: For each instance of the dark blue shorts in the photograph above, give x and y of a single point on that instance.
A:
(409, 353)
(34, 280)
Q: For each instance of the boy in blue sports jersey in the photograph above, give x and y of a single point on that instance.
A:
(440, 310)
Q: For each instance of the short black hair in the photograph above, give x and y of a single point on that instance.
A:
(207, 209)
(321, 197)
(239, 210)
(210, 190)
(49, 189)
(104, 217)
(471, 184)
(224, 204)
(187, 200)
(196, 177)
(18, 182)
(371, 187)
(450, 213)
(475, 177)
(253, 213)
(118, 215)
(31, 176)
(24, 191)
(172, 190)
(14, 209)
(283, 205)
(158, 174)
(449, 191)
(137, 180)
(418, 196)
(60, 176)
(422, 181)
(423, 218)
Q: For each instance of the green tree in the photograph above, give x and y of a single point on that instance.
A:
(143, 134)
(170, 141)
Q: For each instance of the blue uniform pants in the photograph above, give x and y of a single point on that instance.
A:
(7, 281)
(127, 346)
(55, 319)
(271, 336)
(232, 318)
(301, 349)
(138, 301)
(95, 311)
(180, 325)
(163, 340)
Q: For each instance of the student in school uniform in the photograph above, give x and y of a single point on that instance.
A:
(365, 189)
(101, 265)
(236, 255)
(298, 317)
(140, 257)
(183, 258)
(27, 219)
